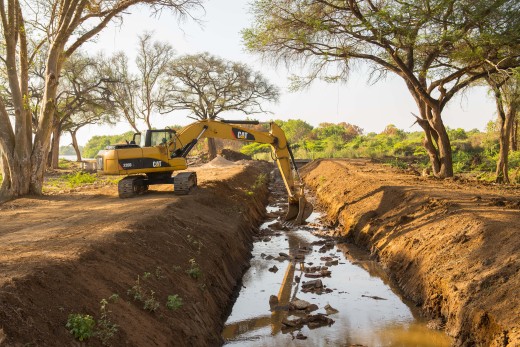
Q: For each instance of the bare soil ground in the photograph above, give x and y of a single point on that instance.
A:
(453, 247)
(62, 254)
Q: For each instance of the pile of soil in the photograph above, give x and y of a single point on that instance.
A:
(234, 155)
(453, 248)
(63, 254)
(218, 162)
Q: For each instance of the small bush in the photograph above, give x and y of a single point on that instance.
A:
(150, 304)
(174, 302)
(81, 326)
(105, 328)
(194, 270)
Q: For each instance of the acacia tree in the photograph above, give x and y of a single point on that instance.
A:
(83, 98)
(421, 41)
(124, 88)
(506, 90)
(207, 85)
(137, 95)
(64, 26)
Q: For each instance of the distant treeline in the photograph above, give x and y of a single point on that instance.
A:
(473, 150)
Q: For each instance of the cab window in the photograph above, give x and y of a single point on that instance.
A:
(160, 137)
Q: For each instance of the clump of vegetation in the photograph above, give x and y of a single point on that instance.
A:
(196, 243)
(84, 326)
(80, 178)
(106, 329)
(81, 326)
(194, 271)
(174, 302)
(151, 304)
(136, 291)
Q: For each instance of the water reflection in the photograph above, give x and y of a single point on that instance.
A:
(356, 281)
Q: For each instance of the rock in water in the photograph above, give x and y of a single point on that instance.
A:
(273, 300)
(330, 310)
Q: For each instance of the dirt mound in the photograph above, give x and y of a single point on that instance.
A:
(233, 155)
(165, 265)
(450, 246)
(218, 162)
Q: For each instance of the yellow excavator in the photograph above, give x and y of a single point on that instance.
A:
(161, 152)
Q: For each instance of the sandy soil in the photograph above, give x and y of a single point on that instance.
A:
(63, 254)
(452, 247)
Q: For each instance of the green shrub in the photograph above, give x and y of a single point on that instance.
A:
(79, 178)
(81, 326)
(194, 270)
(174, 302)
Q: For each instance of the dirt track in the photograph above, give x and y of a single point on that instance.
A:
(453, 248)
(62, 254)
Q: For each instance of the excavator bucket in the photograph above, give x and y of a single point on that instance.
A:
(298, 211)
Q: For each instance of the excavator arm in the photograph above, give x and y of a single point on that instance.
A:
(299, 208)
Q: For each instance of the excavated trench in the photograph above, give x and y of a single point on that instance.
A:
(305, 290)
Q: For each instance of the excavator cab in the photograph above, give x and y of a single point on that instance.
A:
(153, 138)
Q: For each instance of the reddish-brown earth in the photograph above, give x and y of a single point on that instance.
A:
(452, 247)
(64, 253)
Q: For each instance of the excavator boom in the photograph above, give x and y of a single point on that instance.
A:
(155, 164)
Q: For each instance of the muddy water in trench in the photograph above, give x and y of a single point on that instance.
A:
(369, 313)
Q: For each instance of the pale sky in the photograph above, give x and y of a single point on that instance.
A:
(371, 107)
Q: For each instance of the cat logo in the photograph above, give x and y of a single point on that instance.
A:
(156, 163)
(242, 135)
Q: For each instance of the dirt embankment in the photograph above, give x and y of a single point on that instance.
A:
(63, 254)
(453, 248)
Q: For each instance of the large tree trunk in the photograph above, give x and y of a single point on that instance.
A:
(514, 133)
(75, 145)
(15, 178)
(505, 120)
(436, 141)
(443, 145)
(212, 149)
(54, 154)
(43, 133)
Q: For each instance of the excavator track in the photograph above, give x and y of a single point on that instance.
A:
(183, 182)
(131, 186)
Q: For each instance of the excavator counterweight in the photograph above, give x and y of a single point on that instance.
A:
(165, 151)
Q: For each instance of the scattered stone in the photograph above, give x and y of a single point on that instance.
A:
(332, 263)
(273, 300)
(326, 258)
(300, 336)
(281, 308)
(313, 275)
(278, 226)
(318, 320)
(269, 257)
(297, 279)
(267, 239)
(311, 308)
(330, 310)
(285, 255)
(291, 323)
(280, 259)
(273, 269)
(300, 304)
(263, 255)
(373, 297)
